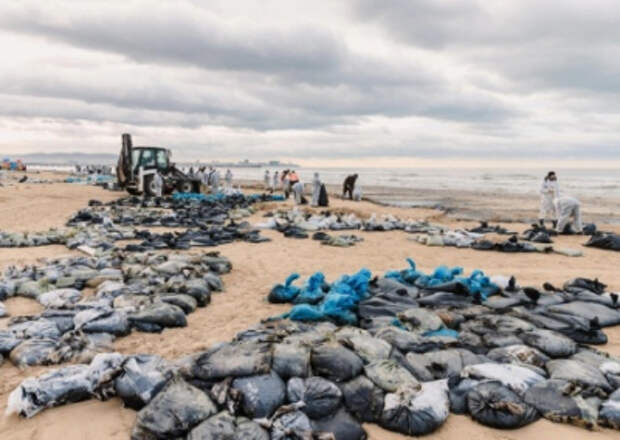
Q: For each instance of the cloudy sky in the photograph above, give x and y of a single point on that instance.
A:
(322, 82)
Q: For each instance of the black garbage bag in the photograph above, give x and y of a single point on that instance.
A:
(233, 359)
(558, 401)
(321, 397)
(551, 343)
(589, 312)
(363, 399)
(412, 411)
(390, 375)
(199, 290)
(585, 283)
(142, 378)
(65, 385)
(519, 354)
(34, 352)
(262, 394)
(607, 241)
(288, 425)
(8, 341)
(323, 197)
(609, 414)
(114, 323)
(161, 314)
(588, 376)
(57, 387)
(459, 388)
(224, 426)
(172, 413)
(186, 302)
(335, 362)
(291, 360)
(219, 426)
(341, 425)
(494, 405)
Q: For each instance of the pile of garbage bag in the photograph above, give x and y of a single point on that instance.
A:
(344, 301)
(532, 241)
(96, 228)
(139, 291)
(410, 359)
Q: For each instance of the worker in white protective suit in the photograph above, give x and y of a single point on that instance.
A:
(158, 184)
(215, 181)
(274, 181)
(229, 179)
(316, 190)
(267, 181)
(549, 191)
(569, 211)
(203, 175)
(298, 192)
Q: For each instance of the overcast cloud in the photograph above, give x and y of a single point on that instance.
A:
(311, 81)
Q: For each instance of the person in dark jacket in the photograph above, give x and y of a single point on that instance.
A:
(348, 186)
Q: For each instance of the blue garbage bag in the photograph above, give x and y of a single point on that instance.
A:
(283, 293)
(444, 274)
(339, 308)
(356, 285)
(312, 292)
(405, 276)
(305, 312)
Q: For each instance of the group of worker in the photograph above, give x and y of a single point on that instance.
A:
(210, 178)
(290, 184)
(562, 210)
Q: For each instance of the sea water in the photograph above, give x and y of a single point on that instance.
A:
(598, 183)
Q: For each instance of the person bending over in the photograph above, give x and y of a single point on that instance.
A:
(348, 186)
(569, 212)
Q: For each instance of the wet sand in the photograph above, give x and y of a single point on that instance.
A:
(491, 205)
(256, 267)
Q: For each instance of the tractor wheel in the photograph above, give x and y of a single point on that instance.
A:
(149, 186)
(186, 187)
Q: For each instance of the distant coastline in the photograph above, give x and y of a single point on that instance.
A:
(248, 164)
(70, 159)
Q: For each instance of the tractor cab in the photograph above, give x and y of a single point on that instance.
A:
(150, 158)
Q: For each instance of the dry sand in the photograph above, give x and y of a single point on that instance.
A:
(256, 267)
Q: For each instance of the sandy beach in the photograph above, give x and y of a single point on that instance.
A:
(256, 267)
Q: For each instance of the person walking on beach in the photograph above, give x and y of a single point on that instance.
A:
(158, 184)
(201, 175)
(569, 212)
(349, 185)
(549, 191)
(298, 193)
(274, 181)
(292, 180)
(316, 190)
(285, 183)
(229, 179)
(215, 181)
(267, 180)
